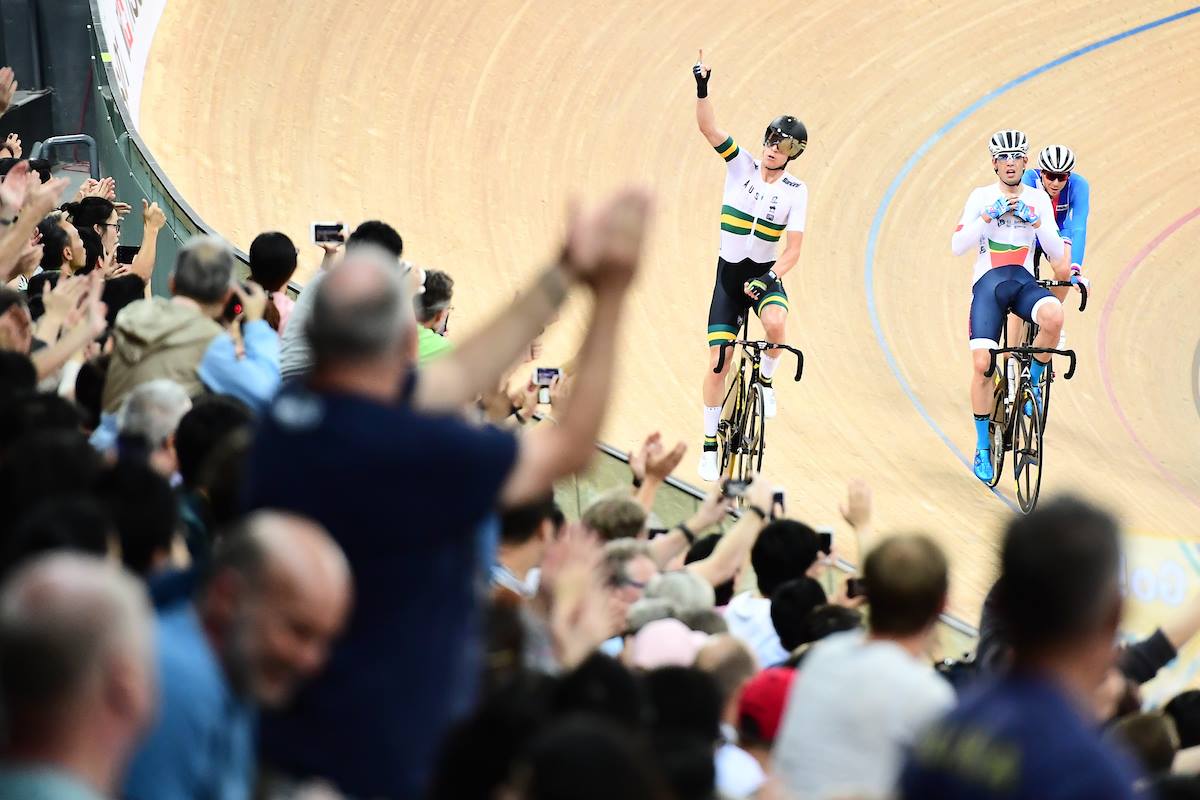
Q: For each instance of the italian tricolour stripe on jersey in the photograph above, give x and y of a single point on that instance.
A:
(1007, 255)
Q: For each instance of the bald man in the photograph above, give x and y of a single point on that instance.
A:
(77, 677)
(375, 450)
(276, 595)
(732, 664)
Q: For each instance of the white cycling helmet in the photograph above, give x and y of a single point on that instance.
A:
(1057, 158)
(1008, 141)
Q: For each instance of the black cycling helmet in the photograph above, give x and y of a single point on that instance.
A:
(785, 128)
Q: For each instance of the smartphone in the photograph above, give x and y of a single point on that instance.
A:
(855, 588)
(126, 253)
(777, 504)
(825, 540)
(732, 488)
(542, 378)
(326, 232)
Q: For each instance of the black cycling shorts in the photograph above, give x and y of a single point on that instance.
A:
(726, 312)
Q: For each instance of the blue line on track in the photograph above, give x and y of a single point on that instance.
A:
(906, 170)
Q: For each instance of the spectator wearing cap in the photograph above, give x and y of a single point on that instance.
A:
(167, 338)
(760, 710)
(785, 549)
(732, 665)
(433, 316)
(276, 596)
(296, 357)
(1029, 733)
(272, 264)
(340, 447)
(862, 698)
(77, 677)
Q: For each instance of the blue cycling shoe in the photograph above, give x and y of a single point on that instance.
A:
(983, 465)
(1037, 395)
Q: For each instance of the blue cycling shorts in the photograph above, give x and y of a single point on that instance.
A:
(998, 291)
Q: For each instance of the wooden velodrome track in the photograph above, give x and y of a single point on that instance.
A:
(468, 125)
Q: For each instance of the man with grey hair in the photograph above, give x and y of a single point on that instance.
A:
(76, 679)
(375, 451)
(275, 596)
(166, 338)
(150, 415)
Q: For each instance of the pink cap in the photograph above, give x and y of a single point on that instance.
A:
(666, 643)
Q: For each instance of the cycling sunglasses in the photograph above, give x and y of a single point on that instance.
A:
(1055, 176)
(1010, 156)
(788, 145)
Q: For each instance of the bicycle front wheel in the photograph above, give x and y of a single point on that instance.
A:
(753, 436)
(1027, 448)
(998, 432)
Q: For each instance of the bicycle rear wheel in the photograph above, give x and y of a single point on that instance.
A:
(1027, 449)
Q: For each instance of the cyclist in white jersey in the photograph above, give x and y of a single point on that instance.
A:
(1001, 222)
(762, 204)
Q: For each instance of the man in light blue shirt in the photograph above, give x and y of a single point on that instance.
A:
(253, 375)
(276, 596)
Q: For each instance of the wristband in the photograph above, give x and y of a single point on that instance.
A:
(1076, 269)
(637, 482)
(516, 412)
(761, 514)
(687, 533)
(4, 221)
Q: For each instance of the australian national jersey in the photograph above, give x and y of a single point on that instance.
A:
(1008, 241)
(754, 213)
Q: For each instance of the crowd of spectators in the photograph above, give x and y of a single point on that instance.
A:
(309, 548)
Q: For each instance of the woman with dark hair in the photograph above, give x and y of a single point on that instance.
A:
(272, 264)
(100, 216)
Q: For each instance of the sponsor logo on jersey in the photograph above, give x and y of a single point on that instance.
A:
(789, 181)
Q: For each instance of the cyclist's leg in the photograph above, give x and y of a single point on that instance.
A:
(724, 322)
(772, 311)
(985, 323)
(1036, 304)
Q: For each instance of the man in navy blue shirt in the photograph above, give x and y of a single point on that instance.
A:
(1031, 733)
(382, 459)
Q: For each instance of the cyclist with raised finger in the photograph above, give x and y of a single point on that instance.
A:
(762, 205)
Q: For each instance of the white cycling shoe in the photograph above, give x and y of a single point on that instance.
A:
(768, 396)
(710, 469)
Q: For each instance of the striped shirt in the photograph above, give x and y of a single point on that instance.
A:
(754, 213)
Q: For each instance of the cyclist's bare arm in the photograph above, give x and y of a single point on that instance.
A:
(791, 253)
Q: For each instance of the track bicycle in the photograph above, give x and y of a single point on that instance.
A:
(1018, 421)
(741, 433)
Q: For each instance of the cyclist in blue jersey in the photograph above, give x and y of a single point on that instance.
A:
(1071, 197)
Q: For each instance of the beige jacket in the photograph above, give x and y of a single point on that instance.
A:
(157, 338)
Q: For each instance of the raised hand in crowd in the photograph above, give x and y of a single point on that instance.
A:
(651, 465)
(8, 88)
(13, 145)
(581, 615)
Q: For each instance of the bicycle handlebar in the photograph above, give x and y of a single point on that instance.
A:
(760, 346)
(1070, 354)
(1083, 292)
